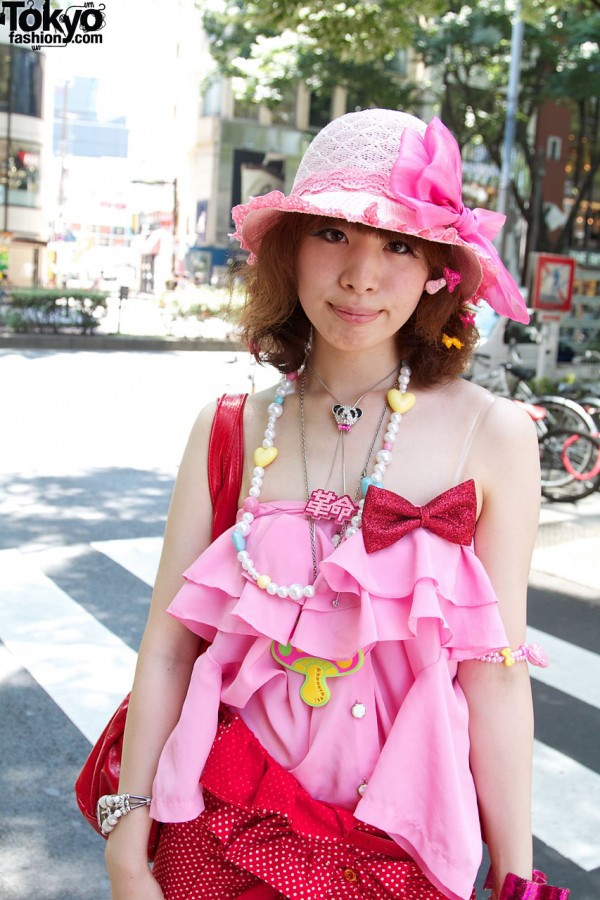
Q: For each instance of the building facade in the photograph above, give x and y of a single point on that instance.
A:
(23, 225)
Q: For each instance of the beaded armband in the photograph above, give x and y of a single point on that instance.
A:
(532, 653)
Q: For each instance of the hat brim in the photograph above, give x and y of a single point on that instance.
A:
(256, 217)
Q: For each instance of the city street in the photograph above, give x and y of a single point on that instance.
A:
(88, 454)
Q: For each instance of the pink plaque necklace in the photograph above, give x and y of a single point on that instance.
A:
(399, 401)
(324, 504)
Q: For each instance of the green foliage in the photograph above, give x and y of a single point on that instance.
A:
(52, 310)
(267, 44)
(470, 46)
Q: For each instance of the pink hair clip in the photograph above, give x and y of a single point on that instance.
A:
(453, 279)
(467, 317)
(450, 280)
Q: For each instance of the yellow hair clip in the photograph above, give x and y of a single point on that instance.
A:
(451, 342)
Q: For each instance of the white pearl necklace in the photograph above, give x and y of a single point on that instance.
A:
(399, 400)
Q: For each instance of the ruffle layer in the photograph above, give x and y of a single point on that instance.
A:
(382, 596)
(418, 606)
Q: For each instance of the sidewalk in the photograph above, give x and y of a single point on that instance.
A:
(567, 547)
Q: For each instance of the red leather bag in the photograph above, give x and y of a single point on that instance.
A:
(101, 770)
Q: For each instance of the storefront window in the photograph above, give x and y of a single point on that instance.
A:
(20, 166)
(26, 80)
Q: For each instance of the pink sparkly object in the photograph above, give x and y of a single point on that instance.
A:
(467, 317)
(517, 888)
(250, 504)
(453, 279)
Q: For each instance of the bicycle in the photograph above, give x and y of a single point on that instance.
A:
(563, 426)
(570, 465)
(510, 380)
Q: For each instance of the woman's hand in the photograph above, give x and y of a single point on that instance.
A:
(126, 860)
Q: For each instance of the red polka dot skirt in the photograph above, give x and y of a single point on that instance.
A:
(262, 837)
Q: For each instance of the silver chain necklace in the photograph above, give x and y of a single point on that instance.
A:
(345, 415)
(311, 521)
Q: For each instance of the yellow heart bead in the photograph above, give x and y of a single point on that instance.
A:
(400, 403)
(262, 581)
(264, 456)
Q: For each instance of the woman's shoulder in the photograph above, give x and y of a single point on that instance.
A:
(504, 441)
(497, 433)
(496, 415)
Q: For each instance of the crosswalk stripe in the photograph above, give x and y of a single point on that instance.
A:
(566, 806)
(87, 670)
(139, 556)
(572, 670)
(8, 664)
(84, 667)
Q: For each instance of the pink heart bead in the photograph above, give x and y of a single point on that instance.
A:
(250, 504)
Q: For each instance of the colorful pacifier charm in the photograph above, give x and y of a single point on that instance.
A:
(316, 671)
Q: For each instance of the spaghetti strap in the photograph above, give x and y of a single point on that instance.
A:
(480, 414)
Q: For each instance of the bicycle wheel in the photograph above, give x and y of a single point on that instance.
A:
(565, 414)
(570, 465)
(592, 408)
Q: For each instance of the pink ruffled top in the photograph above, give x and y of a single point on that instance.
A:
(415, 608)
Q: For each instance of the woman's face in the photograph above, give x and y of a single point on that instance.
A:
(358, 286)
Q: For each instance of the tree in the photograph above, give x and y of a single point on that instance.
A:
(469, 48)
(268, 44)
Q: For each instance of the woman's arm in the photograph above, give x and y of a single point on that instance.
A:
(167, 654)
(506, 458)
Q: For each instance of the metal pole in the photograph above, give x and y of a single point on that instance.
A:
(511, 118)
(175, 224)
(9, 112)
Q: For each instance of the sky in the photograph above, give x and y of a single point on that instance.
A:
(130, 36)
(149, 56)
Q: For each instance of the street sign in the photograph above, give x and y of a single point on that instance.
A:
(553, 285)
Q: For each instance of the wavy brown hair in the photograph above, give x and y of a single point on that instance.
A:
(277, 331)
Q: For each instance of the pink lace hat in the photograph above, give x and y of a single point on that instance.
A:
(390, 170)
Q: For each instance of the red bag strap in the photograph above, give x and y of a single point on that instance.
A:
(226, 460)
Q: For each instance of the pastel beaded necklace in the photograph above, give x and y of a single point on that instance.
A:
(399, 401)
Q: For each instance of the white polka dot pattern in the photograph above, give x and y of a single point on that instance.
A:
(263, 858)
(263, 837)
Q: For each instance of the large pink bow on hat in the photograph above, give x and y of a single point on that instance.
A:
(427, 178)
(387, 516)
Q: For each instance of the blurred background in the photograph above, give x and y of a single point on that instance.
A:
(123, 149)
(128, 130)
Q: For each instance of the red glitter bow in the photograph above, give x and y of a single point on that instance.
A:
(387, 517)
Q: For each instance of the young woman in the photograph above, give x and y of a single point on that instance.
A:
(363, 712)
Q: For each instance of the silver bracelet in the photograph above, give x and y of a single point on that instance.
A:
(111, 807)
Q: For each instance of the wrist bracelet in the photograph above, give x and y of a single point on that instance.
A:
(111, 807)
(532, 653)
